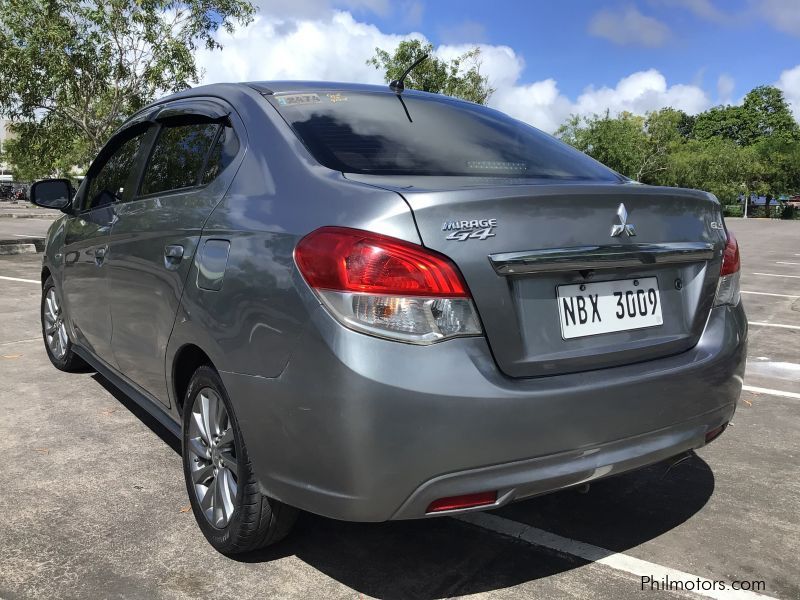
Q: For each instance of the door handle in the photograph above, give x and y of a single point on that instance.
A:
(173, 254)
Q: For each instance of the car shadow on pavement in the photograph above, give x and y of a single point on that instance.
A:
(140, 413)
(442, 557)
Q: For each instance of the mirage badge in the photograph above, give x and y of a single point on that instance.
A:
(475, 229)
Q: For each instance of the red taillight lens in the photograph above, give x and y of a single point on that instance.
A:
(730, 257)
(350, 260)
(387, 287)
(728, 291)
(465, 501)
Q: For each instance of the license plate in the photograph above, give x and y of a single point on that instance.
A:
(608, 306)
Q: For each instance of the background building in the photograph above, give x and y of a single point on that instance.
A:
(5, 172)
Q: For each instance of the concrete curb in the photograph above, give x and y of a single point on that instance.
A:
(37, 243)
(12, 249)
(24, 216)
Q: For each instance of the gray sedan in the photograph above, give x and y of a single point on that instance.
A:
(376, 304)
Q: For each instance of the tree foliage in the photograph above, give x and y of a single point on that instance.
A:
(727, 150)
(72, 70)
(461, 77)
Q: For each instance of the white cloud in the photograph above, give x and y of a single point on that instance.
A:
(725, 87)
(789, 82)
(335, 48)
(704, 9)
(783, 15)
(641, 92)
(413, 11)
(316, 8)
(465, 31)
(629, 27)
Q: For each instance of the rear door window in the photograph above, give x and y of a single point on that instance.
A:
(413, 134)
(178, 157)
(222, 154)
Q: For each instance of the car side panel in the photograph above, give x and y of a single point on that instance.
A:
(252, 323)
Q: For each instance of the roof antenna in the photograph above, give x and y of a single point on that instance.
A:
(397, 86)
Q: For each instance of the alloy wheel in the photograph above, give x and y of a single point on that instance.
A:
(212, 458)
(54, 329)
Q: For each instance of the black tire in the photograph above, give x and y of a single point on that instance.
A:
(257, 520)
(69, 362)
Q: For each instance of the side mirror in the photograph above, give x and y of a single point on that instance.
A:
(53, 193)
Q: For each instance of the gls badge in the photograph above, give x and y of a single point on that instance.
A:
(476, 229)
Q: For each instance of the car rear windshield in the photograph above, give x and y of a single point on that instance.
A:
(387, 134)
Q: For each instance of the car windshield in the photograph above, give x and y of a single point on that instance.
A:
(386, 134)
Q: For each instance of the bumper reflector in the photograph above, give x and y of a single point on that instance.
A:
(465, 501)
(713, 434)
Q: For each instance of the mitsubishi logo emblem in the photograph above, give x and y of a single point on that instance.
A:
(623, 225)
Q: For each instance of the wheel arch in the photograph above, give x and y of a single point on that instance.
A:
(188, 359)
(45, 274)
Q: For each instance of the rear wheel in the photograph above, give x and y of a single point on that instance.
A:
(226, 500)
(54, 331)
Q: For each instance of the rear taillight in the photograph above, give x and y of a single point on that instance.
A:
(728, 286)
(386, 287)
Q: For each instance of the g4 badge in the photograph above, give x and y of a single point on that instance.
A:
(475, 229)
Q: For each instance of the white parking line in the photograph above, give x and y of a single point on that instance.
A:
(776, 275)
(782, 262)
(36, 339)
(760, 390)
(596, 554)
(762, 324)
(18, 279)
(770, 294)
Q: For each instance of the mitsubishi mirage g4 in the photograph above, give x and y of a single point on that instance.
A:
(373, 304)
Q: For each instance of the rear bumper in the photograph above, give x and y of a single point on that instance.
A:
(364, 429)
(523, 479)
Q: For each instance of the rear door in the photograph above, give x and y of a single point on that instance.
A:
(155, 234)
(84, 284)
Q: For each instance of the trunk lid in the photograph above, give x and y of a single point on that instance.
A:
(516, 244)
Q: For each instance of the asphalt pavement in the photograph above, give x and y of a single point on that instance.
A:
(94, 505)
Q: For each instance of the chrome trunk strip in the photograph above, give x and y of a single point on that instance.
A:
(599, 257)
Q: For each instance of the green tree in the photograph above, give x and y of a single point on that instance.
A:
(726, 122)
(461, 77)
(619, 142)
(717, 165)
(72, 70)
(768, 116)
(764, 113)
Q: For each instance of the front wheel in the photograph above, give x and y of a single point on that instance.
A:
(54, 331)
(226, 500)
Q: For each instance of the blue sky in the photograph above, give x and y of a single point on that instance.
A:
(547, 59)
(555, 40)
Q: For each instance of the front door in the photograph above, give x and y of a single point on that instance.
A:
(84, 289)
(154, 239)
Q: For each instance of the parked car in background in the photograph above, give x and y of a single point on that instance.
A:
(374, 304)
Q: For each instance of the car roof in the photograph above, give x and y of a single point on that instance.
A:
(229, 91)
(279, 87)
